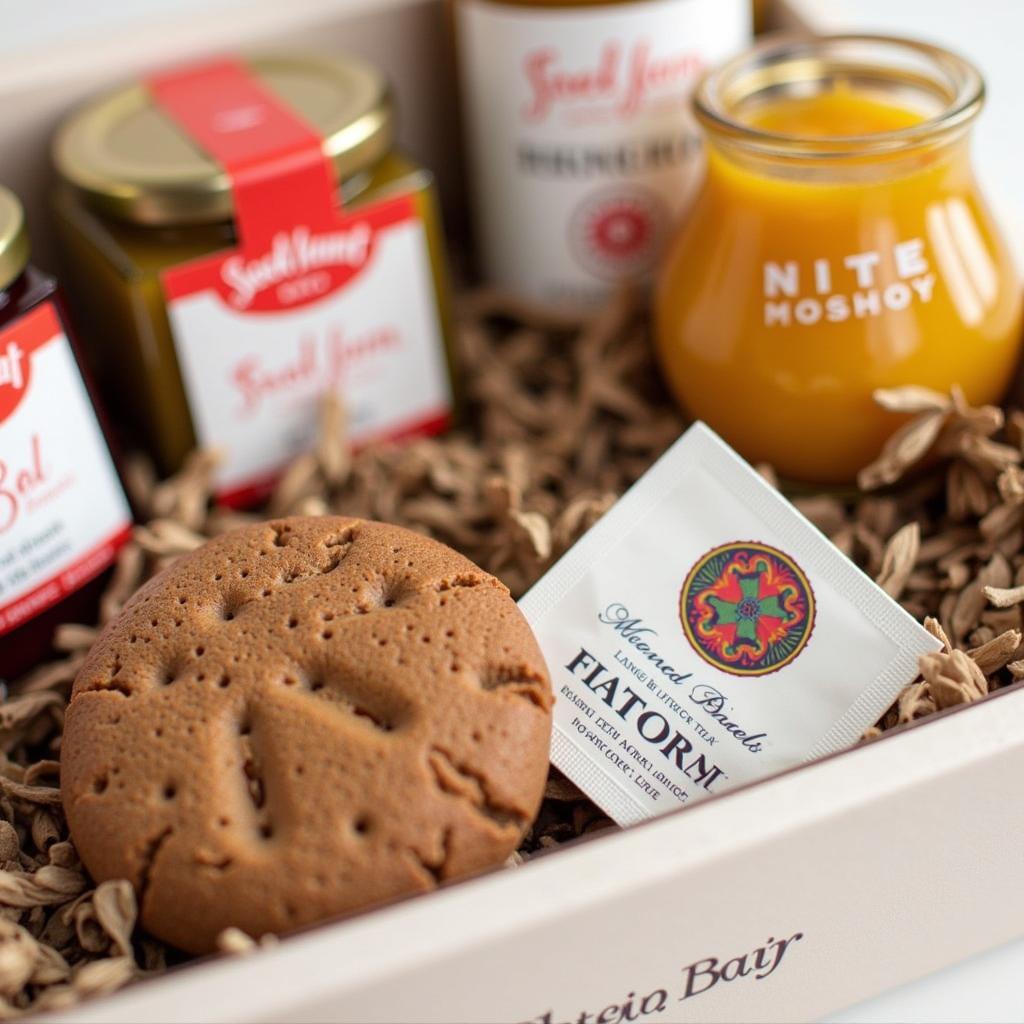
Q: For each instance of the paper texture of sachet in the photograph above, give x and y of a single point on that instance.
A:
(704, 634)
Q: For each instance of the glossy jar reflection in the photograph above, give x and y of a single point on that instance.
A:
(840, 244)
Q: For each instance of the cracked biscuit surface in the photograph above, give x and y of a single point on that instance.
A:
(301, 719)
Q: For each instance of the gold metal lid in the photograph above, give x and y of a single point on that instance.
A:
(130, 160)
(14, 244)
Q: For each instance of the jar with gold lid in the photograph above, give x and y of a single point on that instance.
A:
(242, 237)
(840, 244)
(63, 513)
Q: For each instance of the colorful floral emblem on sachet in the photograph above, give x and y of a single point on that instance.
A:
(748, 609)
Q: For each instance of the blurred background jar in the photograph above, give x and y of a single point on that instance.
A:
(582, 149)
(839, 244)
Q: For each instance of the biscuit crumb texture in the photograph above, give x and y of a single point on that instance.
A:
(302, 719)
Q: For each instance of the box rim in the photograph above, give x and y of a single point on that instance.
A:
(358, 951)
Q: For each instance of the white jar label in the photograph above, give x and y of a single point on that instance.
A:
(253, 377)
(63, 514)
(582, 145)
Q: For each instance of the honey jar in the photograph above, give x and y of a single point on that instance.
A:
(63, 513)
(581, 147)
(840, 244)
(241, 238)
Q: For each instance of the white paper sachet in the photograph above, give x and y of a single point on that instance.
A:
(704, 634)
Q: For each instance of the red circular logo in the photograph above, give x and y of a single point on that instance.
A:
(747, 608)
(618, 232)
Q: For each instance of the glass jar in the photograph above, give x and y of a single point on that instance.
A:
(840, 244)
(140, 202)
(63, 513)
(581, 147)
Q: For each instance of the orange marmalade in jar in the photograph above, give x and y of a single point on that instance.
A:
(840, 244)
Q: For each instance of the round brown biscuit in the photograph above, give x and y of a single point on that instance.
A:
(301, 719)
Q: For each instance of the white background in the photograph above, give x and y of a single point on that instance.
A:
(990, 32)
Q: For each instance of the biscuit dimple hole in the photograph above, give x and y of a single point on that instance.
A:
(326, 634)
(100, 784)
(170, 791)
(362, 825)
(224, 682)
(244, 574)
(182, 600)
(293, 622)
(199, 652)
(266, 592)
(327, 616)
(223, 822)
(267, 830)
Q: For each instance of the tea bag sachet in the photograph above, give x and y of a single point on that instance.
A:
(704, 634)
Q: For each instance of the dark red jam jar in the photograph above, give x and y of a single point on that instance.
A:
(63, 511)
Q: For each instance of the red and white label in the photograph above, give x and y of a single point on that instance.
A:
(583, 147)
(63, 514)
(313, 300)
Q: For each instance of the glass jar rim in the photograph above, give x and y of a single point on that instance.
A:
(801, 59)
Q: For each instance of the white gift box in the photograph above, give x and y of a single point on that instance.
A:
(784, 900)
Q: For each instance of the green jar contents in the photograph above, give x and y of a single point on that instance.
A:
(241, 239)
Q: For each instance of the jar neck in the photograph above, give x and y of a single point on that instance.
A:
(351, 190)
(841, 109)
(947, 155)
